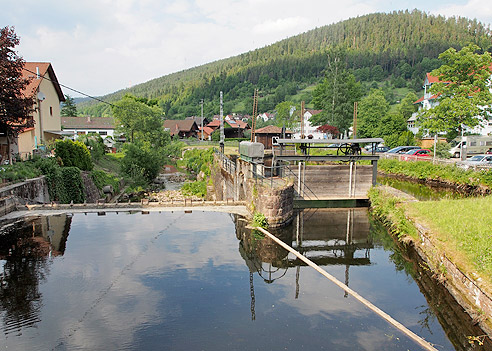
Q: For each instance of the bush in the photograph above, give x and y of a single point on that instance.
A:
(73, 154)
(94, 144)
(142, 162)
(197, 188)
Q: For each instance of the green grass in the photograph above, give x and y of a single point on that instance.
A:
(427, 170)
(109, 163)
(462, 229)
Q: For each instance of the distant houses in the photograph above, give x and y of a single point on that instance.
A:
(186, 128)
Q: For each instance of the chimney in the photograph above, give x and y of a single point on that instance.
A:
(37, 72)
(88, 119)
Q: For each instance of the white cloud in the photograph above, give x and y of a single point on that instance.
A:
(99, 46)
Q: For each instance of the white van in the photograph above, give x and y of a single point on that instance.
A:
(475, 144)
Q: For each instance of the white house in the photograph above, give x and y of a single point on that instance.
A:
(429, 100)
(308, 129)
(104, 126)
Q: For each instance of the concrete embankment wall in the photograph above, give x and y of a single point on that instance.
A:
(31, 191)
(237, 183)
(466, 290)
(333, 181)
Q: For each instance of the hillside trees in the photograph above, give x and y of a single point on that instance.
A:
(403, 44)
(462, 92)
(336, 94)
(15, 107)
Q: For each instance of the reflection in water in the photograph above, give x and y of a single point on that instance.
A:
(25, 250)
(334, 237)
(176, 281)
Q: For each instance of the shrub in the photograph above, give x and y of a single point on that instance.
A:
(73, 154)
(197, 188)
(141, 161)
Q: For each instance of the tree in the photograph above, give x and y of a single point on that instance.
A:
(139, 121)
(327, 129)
(15, 107)
(287, 114)
(372, 109)
(336, 94)
(69, 109)
(463, 94)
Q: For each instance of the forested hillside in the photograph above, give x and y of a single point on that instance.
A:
(397, 48)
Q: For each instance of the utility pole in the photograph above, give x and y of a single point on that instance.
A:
(354, 129)
(221, 124)
(255, 113)
(302, 120)
(201, 103)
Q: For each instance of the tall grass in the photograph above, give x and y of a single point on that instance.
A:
(427, 170)
(462, 228)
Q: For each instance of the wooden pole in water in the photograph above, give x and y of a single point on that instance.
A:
(425, 345)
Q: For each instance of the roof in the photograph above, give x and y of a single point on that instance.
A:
(271, 130)
(87, 122)
(314, 112)
(234, 123)
(179, 125)
(45, 72)
(207, 130)
(431, 79)
(422, 99)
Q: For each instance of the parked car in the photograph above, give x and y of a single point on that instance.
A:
(489, 151)
(477, 160)
(402, 149)
(416, 154)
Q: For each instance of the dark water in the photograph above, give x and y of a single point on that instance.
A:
(202, 281)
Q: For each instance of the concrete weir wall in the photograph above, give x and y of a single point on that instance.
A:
(31, 191)
(233, 180)
(325, 182)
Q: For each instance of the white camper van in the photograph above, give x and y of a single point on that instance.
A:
(475, 144)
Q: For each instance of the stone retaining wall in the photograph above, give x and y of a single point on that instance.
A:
(31, 191)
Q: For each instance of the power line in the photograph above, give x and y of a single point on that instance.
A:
(77, 91)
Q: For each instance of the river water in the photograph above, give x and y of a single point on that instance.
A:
(203, 281)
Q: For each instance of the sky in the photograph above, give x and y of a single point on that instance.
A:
(100, 46)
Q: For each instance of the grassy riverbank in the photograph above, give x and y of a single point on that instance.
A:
(460, 228)
(425, 170)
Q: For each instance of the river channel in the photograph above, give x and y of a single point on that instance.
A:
(203, 281)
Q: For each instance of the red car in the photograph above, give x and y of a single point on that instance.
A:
(416, 154)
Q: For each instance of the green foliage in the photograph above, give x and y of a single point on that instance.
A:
(142, 162)
(196, 188)
(198, 159)
(371, 110)
(101, 179)
(73, 154)
(442, 150)
(463, 93)
(259, 220)
(140, 122)
(94, 144)
(386, 208)
(19, 171)
(336, 94)
(70, 187)
(287, 114)
(427, 170)
(68, 107)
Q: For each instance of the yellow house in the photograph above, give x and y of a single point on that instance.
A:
(47, 94)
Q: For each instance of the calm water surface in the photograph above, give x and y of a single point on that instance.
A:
(202, 281)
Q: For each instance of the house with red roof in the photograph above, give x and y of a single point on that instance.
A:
(47, 95)
(186, 128)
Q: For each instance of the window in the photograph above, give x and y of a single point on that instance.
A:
(80, 133)
(51, 110)
(103, 132)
